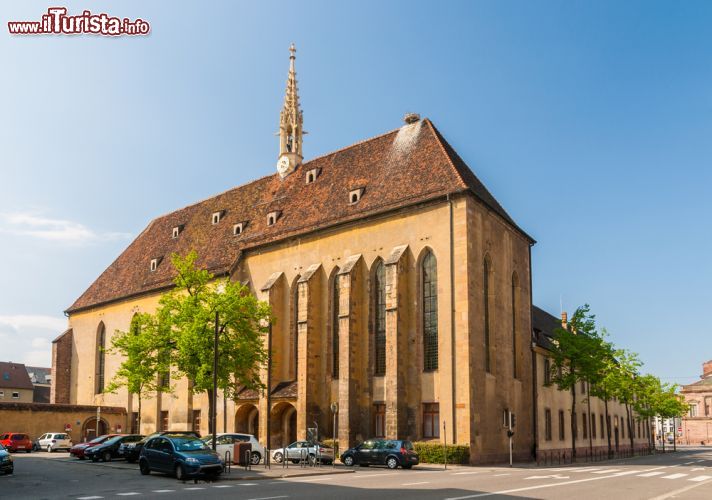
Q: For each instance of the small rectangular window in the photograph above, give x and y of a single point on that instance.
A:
(176, 231)
(312, 175)
(154, 264)
(379, 413)
(237, 229)
(164, 421)
(431, 420)
(15, 395)
(196, 420)
(217, 216)
(272, 217)
(2, 394)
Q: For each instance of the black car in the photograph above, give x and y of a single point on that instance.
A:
(184, 456)
(110, 449)
(7, 466)
(131, 451)
(388, 452)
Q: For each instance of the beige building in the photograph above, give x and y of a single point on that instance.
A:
(15, 383)
(592, 425)
(697, 425)
(400, 286)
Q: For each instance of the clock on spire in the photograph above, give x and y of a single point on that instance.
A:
(290, 124)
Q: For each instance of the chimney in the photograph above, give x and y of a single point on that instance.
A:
(564, 319)
(410, 118)
(707, 369)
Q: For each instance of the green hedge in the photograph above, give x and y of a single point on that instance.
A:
(434, 453)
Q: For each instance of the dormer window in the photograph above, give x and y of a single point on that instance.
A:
(272, 217)
(237, 228)
(176, 231)
(312, 175)
(355, 195)
(154, 263)
(217, 216)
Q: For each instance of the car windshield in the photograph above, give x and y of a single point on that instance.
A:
(99, 439)
(114, 439)
(189, 444)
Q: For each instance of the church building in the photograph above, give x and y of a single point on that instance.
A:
(401, 290)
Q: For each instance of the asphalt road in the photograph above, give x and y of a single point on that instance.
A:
(686, 474)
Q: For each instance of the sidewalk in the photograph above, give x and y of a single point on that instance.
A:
(276, 471)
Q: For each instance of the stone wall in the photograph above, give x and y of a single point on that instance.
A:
(61, 368)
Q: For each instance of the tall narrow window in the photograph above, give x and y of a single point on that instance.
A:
(514, 324)
(431, 420)
(485, 290)
(430, 312)
(562, 426)
(196, 420)
(593, 425)
(164, 421)
(547, 424)
(335, 327)
(380, 313)
(295, 326)
(379, 416)
(547, 372)
(100, 357)
(585, 425)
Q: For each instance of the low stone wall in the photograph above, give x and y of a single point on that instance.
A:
(36, 419)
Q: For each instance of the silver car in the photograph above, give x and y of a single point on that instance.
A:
(299, 450)
(52, 441)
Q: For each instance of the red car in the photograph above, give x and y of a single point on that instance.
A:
(16, 441)
(78, 449)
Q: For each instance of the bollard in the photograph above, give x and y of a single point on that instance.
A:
(228, 461)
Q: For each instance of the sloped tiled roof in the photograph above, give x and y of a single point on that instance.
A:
(14, 376)
(38, 375)
(409, 165)
(544, 325)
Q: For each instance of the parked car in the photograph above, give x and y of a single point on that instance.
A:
(52, 441)
(132, 451)
(179, 454)
(226, 442)
(388, 452)
(16, 441)
(78, 449)
(294, 452)
(6, 464)
(110, 448)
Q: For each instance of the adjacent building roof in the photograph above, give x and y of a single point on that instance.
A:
(543, 326)
(407, 166)
(14, 376)
(39, 375)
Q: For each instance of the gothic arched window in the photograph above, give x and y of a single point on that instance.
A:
(295, 325)
(515, 284)
(380, 316)
(100, 357)
(430, 312)
(485, 291)
(335, 326)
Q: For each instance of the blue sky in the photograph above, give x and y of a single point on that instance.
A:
(589, 121)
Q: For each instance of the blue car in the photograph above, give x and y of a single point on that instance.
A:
(181, 455)
(6, 464)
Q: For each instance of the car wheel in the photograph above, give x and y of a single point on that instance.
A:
(278, 457)
(144, 468)
(392, 463)
(107, 456)
(49, 448)
(180, 472)
(348, 460)
(255, 458)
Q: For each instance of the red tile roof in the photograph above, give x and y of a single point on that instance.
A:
(409, 165)
(14, 376)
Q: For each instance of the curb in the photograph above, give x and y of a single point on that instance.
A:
(227, 477)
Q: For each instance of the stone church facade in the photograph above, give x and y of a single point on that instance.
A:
(401, 291)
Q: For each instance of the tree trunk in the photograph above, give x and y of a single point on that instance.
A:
(608, 429)
(573, 422)
(630, 427)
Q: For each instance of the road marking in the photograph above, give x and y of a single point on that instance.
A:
(700, 478)
(129, 494)
(243, 484)
(651, 474)
(681, 490)
(412, 484)
(194, 488)
(163, 491)
(88, 498)
(697, 468)
(500, 475)
(541, 486)
(674, 476)
(689, 463)
(552, 476)
(608, 471)
(225, 485)
(468, 472)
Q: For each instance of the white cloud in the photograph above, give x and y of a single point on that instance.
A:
(40, 343)
(38, 358)
(32, 322)
(58, 230)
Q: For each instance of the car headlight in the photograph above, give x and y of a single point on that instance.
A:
(192, 461)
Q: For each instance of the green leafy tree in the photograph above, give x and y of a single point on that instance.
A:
(623, 384)
(191, 312)
(670, 404)
(574, 358)
(647, 392)
(140, 349)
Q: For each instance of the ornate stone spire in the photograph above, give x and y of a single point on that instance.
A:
(290, 124)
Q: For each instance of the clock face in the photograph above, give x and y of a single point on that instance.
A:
(283, 165)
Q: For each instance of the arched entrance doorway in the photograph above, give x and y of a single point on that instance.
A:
(89, 430)
(283, 424)
(247, 419)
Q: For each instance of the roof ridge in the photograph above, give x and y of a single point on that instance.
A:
(358, 143)
(439, 140)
